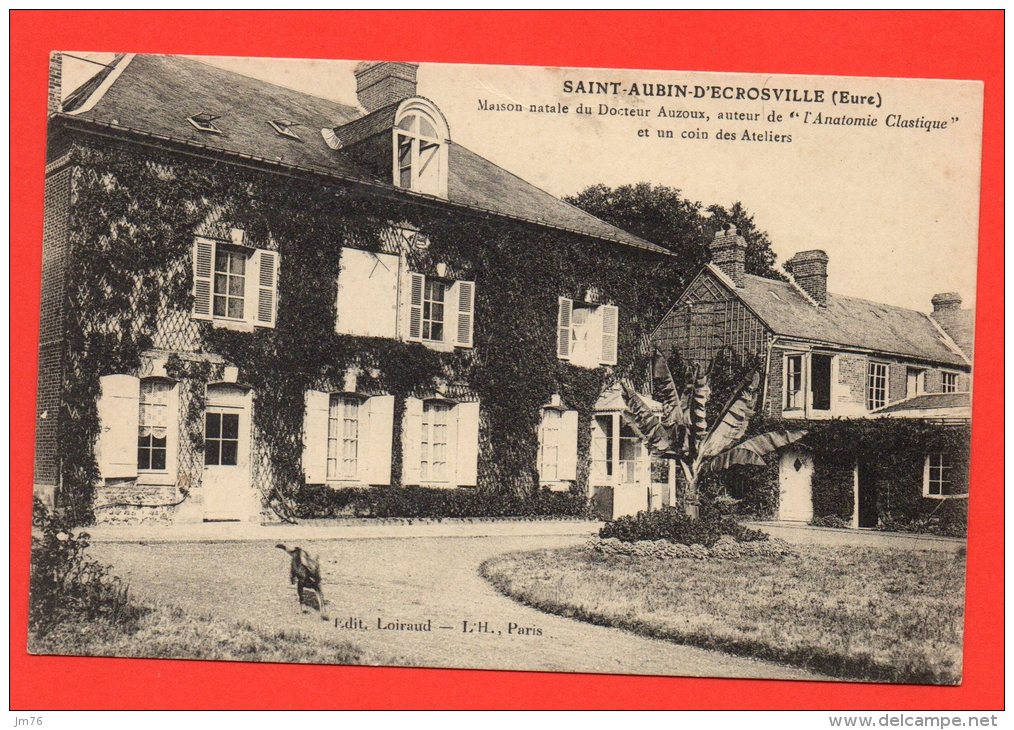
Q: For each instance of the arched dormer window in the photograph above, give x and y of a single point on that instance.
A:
(420, 148)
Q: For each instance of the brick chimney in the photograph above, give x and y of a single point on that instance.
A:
(809, 270)
(55, 82)
(958, 323)
(728, 252)
(379, 83)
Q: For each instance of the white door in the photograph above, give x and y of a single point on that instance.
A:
(226, 483)
(795, 473)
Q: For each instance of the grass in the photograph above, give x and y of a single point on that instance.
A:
(849, 612)
(170, 633)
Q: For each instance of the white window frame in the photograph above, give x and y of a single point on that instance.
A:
(920, 381)
(167, 422)
(612, 470)
(434, 180)
(260, 284)
(552, 423)
(870, 387)
(458, 312)
(803, 390)
(953, 387)
(939, 474)
(588, 351)
(342, 401)
(427, 454)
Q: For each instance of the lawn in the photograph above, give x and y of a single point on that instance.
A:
(849, 612)
(170, 633)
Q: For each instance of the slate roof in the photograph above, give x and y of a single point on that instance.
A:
(846, 321)
(930, 401)
(154, 95)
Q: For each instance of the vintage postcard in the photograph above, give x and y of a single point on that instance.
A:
(518, 368)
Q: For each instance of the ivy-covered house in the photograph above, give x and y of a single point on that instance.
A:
(884, 391)
(253, 298)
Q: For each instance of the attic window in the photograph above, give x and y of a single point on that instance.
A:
(420, 148)
(204, 123)
(284, 128)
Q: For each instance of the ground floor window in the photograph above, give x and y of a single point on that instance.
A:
(342, 437)
(618, 455)
(434, 442)
(221, 439)
(939, 477)
(153, 425)
(549, 468)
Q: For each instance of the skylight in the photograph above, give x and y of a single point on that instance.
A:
(205, 123)
(284, 128)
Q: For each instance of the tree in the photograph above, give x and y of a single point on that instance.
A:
(682, 432)
(663, 215)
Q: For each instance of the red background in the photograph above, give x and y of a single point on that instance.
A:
(958, 45)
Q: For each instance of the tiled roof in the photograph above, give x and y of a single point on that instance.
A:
(154, 95)
(846, 321)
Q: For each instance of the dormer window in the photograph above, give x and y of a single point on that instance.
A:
(420, 148)
(284, 127)
(204, 123)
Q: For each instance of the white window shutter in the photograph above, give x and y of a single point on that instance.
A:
(119, 412)
(315, 414)
(568, 446)
(565, 309)
(467, 457)
(204, 263)
(173, 431)
(375, 449)
(610, 319)
(267, 288)
(542, 438)
(464, 304)
(415, 307)
(411, 441)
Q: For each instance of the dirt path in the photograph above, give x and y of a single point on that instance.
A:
(412, 581)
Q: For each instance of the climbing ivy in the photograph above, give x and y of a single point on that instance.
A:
(133, 219)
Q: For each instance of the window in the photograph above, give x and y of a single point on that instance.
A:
(794, 395)
(602, 450)
(434, 443)
(949, 382)
(939, 477)
(441, 311)
(618, 456)
(915, 382)
(632, 461)
(420, 151)
(343, 437)
(347, 437)
(284, 128)
(876, 385)
(587, 334)
(230, 283)
(820, 382)
(234, 284)
(433, 311)
(204, 123)
(221, 439)
(549, 468)
(153, 425)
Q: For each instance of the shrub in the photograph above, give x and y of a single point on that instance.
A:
(831, 521)
(672, 524)
(320, 501)
(65, 585)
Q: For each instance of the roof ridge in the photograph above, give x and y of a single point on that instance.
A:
(198, 59)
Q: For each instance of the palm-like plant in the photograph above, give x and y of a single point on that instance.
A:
(682, 433)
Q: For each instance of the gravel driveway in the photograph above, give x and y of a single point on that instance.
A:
(409, 581)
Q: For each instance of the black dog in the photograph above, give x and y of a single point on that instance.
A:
(304, 573)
